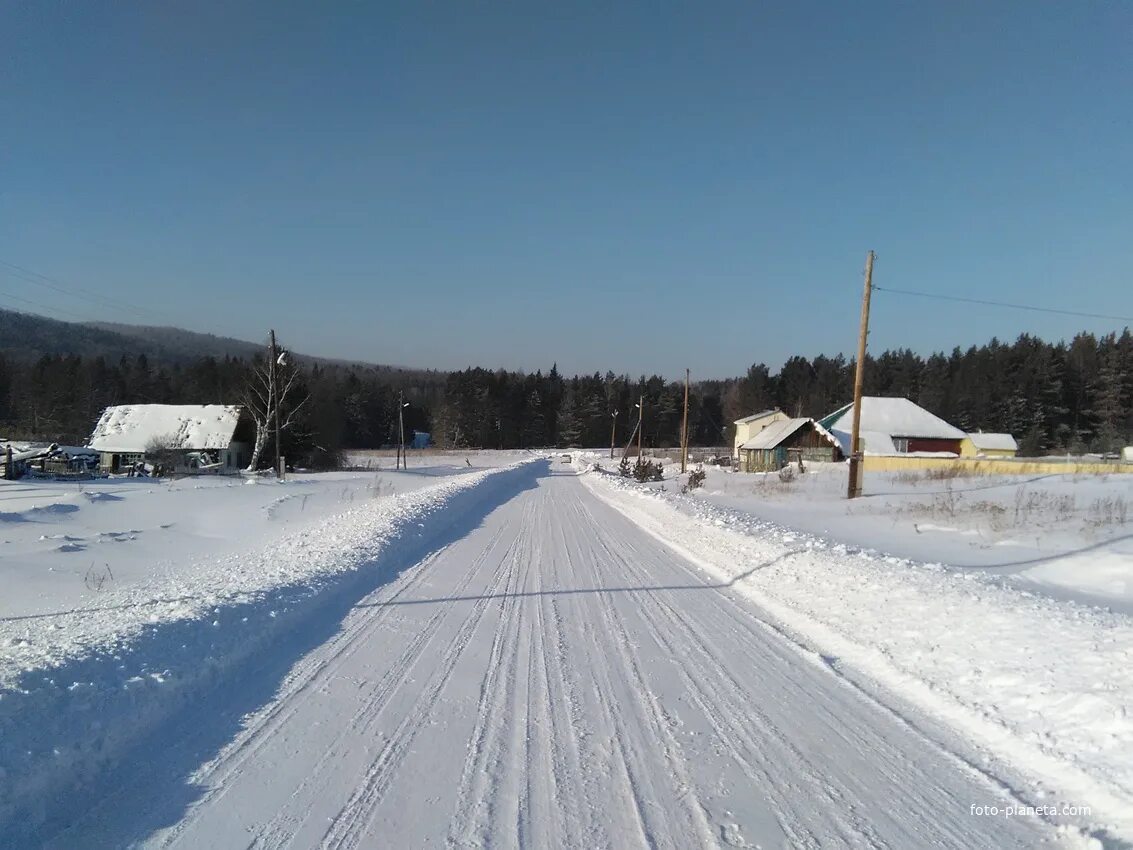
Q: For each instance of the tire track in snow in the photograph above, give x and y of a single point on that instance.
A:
(707, 695)
(319, 669)
(706, 699)
(348, 827)
(262, 726)
(560, 761)
(736, 714)
(279, 831)
(476, 807)
(649, 714)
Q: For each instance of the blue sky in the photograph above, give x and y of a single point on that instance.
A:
(635, 187)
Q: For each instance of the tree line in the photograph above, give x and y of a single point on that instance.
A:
(1053, 397)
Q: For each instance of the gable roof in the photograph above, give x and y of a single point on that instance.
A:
(777, 432)
(763, 414)
(134, 427)
(896, 417)
(995, 442)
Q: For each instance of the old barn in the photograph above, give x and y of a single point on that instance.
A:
(190, 438)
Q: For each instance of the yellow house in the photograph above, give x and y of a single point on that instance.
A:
(980, 444)
(749, 426)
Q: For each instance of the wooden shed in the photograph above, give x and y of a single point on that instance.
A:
(773, 447)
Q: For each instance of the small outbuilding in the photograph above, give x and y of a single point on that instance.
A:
(776, 445)
(983, 444)
(749, 426)
(189, 438)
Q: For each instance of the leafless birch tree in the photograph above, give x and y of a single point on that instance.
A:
(266, 395)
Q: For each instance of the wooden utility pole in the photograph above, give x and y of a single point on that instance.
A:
(632, 437)
(273, 400)
(854, 488)
(640, 419)
(401, 430)
(684, 429)
(613, 432)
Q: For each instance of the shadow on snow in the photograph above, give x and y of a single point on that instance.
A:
(96, 789)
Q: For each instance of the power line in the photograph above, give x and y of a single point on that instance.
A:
(34, 277)
(43, 307)
(1003, 304)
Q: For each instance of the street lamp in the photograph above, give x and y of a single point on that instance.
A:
(640, 416)
(613, 431)
(401, 432)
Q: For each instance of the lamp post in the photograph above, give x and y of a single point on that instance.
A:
(278, 361)
(401, 430)
(640, 418)
(613, 431)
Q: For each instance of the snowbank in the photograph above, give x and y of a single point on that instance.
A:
(1067, 536)
(69, 708)
(1043, 687)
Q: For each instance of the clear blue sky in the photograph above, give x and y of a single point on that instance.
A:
(604, 185)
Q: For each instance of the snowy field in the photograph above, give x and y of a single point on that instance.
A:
(1067, 535)
(508, 649)
(77, 546)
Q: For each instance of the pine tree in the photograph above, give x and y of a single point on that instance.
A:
(570, 426)
(1108, 411)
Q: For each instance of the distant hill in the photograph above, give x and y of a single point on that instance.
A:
(177, 343)
(27, 337)
(24, 336)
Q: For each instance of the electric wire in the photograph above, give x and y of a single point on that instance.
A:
(988, 303)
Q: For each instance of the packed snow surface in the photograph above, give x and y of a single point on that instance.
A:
(541, 655)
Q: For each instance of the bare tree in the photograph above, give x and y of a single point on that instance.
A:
(270, 384)
(161, 452)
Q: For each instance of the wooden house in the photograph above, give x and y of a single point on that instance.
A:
(785, 440)
(749, 426)
(190, 438)
(895, 426)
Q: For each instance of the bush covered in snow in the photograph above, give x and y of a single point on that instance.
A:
(695, 479)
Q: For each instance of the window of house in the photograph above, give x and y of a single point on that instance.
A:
(901, 444)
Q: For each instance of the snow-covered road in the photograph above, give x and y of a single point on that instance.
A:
(555, 677)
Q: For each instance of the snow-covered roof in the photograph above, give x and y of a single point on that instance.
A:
(134, 427)
(896, 417)
(994, 442)
(76, 451)
(777, 432)
(755, 416)
(873, 442)
(774, 434)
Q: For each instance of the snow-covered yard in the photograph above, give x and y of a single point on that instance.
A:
(67, 546)
(1068, 535)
